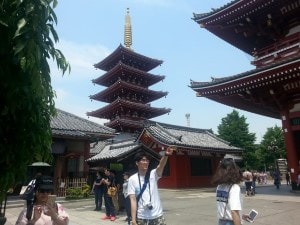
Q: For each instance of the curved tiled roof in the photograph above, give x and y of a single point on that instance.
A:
(201, 16)
(67, 124)
(195, 84)
(115, 150)
(129, 57)
(186, 137)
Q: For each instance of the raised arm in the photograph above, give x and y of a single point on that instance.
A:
(163, 161)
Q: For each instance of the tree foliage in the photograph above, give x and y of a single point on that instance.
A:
(235, 130)
(271, 147)
(27, 42)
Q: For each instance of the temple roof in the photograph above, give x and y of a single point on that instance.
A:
(128, 123)
(120, 105)
(65, 124)
(119, 151)
(262, 91)
(237, 77)
(122, 88)
(250, 25)
(128, 57)
(188, 138)
(124, 72)
(110, 151)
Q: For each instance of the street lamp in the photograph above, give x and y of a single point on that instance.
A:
(3, 207)
(273, 148)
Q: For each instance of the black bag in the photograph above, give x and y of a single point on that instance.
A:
(28, 193)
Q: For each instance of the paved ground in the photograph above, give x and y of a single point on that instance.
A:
(194, 207)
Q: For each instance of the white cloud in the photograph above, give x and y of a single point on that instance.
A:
(72, 90)
(81, 57)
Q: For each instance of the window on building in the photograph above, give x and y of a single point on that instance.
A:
(201, 166)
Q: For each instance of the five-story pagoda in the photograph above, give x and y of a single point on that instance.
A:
(127, 81)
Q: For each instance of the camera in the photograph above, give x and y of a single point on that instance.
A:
(148, 206)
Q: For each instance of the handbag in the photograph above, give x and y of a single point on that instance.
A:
(112, 191)
(27, 192)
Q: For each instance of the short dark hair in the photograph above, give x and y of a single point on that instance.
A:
(138, 156)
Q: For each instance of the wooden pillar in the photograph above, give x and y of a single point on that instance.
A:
(86, 156)
(292, 156)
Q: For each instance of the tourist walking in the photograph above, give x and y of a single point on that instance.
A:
(110, 213)
(126, 197)
(98, 188)
(146, 207)
(228, 193)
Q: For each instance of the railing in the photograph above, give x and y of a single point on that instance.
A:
(282, 49)
(64, 183)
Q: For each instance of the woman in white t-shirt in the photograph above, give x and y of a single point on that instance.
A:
(228, 193)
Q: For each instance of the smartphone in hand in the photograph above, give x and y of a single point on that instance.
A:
(51, 200)
(252, 215)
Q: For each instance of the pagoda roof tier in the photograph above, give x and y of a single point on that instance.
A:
(128, 57)
(121, 106)
(126, 124)
(133, 92)
(127, 73)
(262, 91)
(250, 25)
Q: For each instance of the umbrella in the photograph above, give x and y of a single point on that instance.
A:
(40, 164)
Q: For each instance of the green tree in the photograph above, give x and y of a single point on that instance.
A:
(27, 99)
(235, 130)
(271, 147)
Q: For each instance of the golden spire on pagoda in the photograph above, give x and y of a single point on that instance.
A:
(127, 33)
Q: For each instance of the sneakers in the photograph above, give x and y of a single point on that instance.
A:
(106, 217)
(113, 218)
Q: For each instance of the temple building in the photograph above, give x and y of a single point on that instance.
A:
(127, 81)
(198, 154)
(269, 31)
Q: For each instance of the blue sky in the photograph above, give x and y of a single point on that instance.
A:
(89, 30)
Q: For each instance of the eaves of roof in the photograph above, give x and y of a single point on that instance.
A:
(114, 57)
(202, 16)
(69, 125)
(198, 85)
(112, 151)
(189, 138)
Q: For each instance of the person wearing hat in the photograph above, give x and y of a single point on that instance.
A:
(41, 212)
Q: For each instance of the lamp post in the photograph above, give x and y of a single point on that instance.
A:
(273, 148)
(3, 207)
(2, 210)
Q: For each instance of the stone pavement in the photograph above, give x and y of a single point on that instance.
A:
(194, 207)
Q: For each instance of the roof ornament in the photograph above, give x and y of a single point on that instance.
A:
(127, 33)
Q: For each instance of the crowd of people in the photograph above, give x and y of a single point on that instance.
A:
(137, 194)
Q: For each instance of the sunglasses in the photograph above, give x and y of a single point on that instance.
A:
(44, 191)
